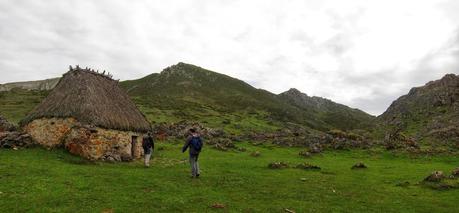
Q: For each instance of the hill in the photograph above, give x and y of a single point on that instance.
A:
(41, 85)
(185, 91)
(333, 114)
(188, 92)
(427, 112)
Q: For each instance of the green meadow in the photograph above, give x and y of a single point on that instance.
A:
(39, 180)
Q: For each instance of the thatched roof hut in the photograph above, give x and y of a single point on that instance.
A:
(91, 98)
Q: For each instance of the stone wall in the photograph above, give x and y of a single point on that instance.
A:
(93, 143)
(50, 132)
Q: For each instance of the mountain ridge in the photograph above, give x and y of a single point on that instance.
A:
(46, 84)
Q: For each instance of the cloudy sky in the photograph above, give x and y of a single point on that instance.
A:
(362, 53)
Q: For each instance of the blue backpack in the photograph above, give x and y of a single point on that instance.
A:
(196, 142)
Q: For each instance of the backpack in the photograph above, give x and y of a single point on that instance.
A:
(196, 142)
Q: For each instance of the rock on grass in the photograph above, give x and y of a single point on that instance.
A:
(218, 206)
(436, 176)
(359, 166)
(307, 166)
(305, 154)
(255, 154)
(278, 165)
(455, 173)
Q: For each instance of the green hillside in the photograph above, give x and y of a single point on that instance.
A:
(15, 104)
(188, 92)
(185, 91)
(333, 114)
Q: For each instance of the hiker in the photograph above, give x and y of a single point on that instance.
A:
(194, 143)
(148, 146)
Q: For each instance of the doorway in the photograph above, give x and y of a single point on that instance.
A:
(134, 150)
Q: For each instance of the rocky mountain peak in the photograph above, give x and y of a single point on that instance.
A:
(449, 80)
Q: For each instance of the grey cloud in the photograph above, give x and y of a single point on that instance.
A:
(39, 39)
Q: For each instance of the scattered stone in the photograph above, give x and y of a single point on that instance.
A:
(108, 211)
(307, 166)
(222, 144)
(6, 126)
(255, 154)
(359, 166)
(436, 176)
(218, 206)
(455, 173)
(15, 139)
(315, 148)
(305, 154)
(289, 211)
(220, 147)
(438, 185)
(278, 165)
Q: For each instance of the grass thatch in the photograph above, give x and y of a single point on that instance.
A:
(91, 98)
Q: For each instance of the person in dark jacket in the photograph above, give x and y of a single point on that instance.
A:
(148, 146)
(194, 144)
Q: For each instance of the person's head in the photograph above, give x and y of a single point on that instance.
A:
(149, 133)
(193, 131)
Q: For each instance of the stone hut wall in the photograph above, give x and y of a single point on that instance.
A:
(93, 143)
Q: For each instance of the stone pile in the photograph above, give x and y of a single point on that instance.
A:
(180, 130)
(6, 126)
(11, 138)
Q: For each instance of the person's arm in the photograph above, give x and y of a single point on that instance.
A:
(187, 144)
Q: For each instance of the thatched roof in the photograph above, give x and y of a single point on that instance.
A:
(91, 98)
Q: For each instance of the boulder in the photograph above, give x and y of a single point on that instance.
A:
(359, 166)
(307, 166)
(255, 154)
(455, 173)
(305, 154)
(436, 176)
(221, 143)
(278, 165)
(315, 148)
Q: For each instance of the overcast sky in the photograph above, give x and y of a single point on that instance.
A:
(364, 54)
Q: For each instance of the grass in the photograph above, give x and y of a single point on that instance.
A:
(15, 105)
(37, 180)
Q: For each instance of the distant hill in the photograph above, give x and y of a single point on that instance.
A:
(334, 114)
(188, 92)
(430, 111)
(191, 92)
(41, 85)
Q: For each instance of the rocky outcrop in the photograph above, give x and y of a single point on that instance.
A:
(47, 84)
(430, 111)
(335, 115)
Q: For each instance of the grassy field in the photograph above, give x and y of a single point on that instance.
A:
(15, 105)
(38, 180)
